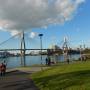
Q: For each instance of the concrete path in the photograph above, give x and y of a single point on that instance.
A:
(32, 69)
(19, 79)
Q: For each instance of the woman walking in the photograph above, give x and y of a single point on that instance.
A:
(2, 69)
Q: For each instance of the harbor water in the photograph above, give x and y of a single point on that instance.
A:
(13, 62)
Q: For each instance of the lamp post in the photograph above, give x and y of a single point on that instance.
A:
(81, 52)
(40, 35)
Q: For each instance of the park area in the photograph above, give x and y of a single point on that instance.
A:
(61, 76)
(73, 76)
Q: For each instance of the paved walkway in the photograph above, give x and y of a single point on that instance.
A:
(19, 79)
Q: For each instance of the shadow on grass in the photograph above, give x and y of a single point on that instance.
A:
(64, 81)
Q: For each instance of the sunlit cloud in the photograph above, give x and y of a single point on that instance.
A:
(33, 35)
(28, 14)
(80, 1)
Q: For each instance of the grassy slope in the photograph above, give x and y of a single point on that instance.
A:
(74, 76)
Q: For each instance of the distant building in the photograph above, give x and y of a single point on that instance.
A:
(54, 49)
(4, 54)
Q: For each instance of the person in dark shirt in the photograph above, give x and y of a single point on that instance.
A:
(49, 61)
(46, 61)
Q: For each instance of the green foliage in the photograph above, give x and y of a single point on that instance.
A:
(74, 76)
(86, 51)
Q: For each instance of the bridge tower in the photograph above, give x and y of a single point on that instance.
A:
(65, 50)
(23, 49)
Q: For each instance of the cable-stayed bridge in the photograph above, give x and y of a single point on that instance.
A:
(21, 49)
(5, 47)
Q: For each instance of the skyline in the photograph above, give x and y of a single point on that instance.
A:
(76, 29)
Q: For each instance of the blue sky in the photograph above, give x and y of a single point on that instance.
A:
(77, 30)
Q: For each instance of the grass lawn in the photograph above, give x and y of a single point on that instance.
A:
(75, 76)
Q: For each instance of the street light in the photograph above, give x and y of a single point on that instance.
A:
(81, 52)
(40, 35)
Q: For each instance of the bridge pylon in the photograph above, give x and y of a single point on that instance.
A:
(65, 50)
(23, 49)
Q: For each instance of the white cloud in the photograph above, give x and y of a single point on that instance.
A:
(28, 14)
(80, 1)
(14, 32)
(33, 35)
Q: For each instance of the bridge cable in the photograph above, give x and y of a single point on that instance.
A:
(9, 39)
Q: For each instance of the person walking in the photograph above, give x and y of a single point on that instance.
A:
(3, 69)
(46, 61)
(49, 61)
(0, 69)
